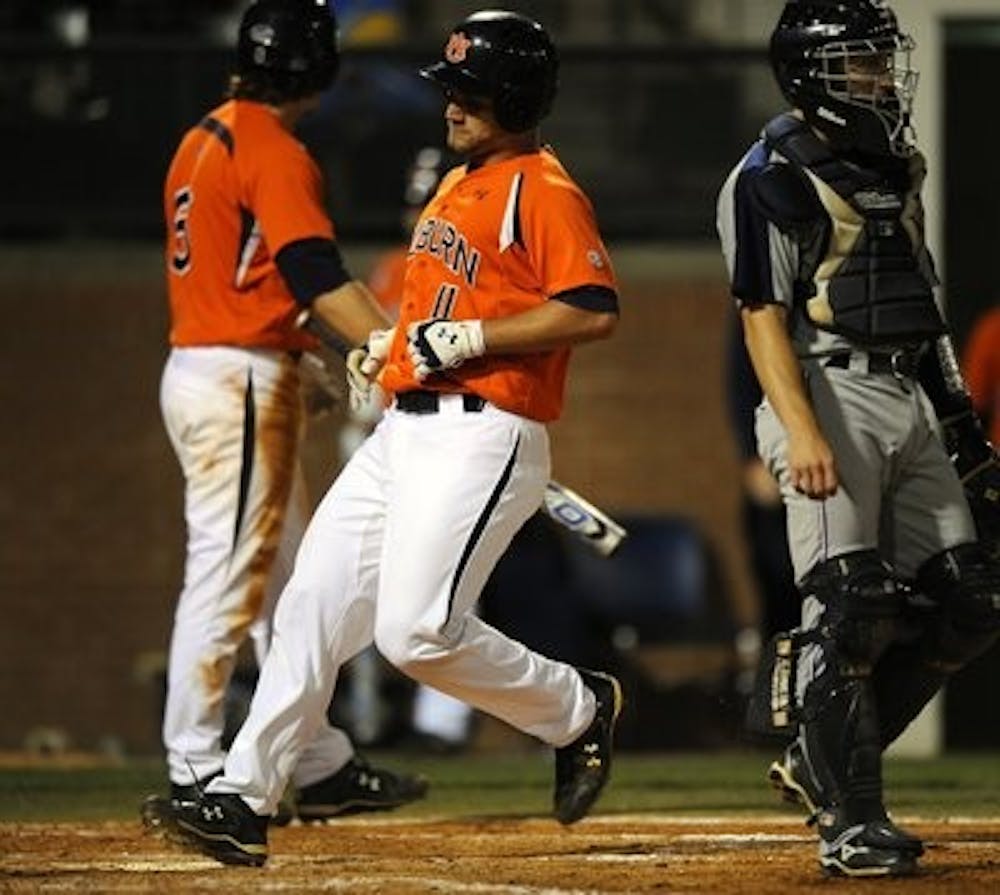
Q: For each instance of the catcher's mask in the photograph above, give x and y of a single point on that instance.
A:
(847, 66)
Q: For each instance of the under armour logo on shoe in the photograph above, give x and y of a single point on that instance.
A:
(211, 812)
(373, 783)
(591, 751)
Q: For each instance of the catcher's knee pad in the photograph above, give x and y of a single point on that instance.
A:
(964, 585)
(862, 603)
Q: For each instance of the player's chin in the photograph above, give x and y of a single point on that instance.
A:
(457, 140)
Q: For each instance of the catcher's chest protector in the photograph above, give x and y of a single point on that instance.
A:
(863, 277)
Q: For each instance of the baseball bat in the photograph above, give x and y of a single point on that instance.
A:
(563, 505)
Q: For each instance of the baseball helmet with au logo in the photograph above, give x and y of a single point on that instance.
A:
(503, 57)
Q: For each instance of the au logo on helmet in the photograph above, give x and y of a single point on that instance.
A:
(457, 48)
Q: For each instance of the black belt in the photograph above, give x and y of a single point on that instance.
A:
(423, 401)
(901, 364)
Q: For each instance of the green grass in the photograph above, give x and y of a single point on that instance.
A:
(488, 785)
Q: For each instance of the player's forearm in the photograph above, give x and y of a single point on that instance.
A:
(352, 311)
(551, 325)
(778, 369)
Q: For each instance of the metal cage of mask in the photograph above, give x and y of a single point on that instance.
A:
(894, 108)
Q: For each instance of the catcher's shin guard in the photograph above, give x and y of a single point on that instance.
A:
(839, 721)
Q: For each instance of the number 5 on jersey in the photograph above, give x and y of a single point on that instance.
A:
(180, 260)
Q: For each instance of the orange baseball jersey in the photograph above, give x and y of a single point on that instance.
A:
(240, 187)
(982, 370)
(496, 241)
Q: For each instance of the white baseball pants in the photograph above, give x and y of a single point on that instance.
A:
(234, 418)
(398, 552)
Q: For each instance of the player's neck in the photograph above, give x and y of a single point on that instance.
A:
(510, 147)
(289, 113)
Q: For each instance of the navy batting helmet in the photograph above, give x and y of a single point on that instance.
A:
(288, 47)
(816, 46)
(504, 57)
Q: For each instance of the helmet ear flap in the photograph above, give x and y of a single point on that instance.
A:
(523, 94)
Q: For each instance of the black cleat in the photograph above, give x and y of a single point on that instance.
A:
(224, 827)
(159, 813)
(792, 777)
(583, 767)
(357, 787)
(855, 851)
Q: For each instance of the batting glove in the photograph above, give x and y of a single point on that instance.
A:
(363, 365)
(442, 344)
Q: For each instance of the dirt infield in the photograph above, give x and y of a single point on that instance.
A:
(640, 853)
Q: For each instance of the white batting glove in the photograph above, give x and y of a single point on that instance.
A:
(442, 344)
(363, 366)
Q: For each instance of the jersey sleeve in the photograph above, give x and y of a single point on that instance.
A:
(286, 195)
(559, 234)
(761, 259)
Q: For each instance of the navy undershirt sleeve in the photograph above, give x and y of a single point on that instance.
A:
(753, 281)
(311, 267)
(590, 298)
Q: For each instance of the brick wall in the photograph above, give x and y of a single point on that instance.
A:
(90, 500)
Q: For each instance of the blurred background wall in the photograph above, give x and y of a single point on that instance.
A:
(658, 99)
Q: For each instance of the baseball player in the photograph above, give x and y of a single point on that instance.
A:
(822, 230)
(248, 244)
(506, 272)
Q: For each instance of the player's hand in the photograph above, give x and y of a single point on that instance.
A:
(442, 344)
(812, 469)
(363, 366)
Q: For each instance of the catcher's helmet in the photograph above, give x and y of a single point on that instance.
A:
(815, 45)
(504, 57)
(288, 47)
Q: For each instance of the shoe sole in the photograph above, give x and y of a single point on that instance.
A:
(223, 847)
(832, 866)
(791, 791)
